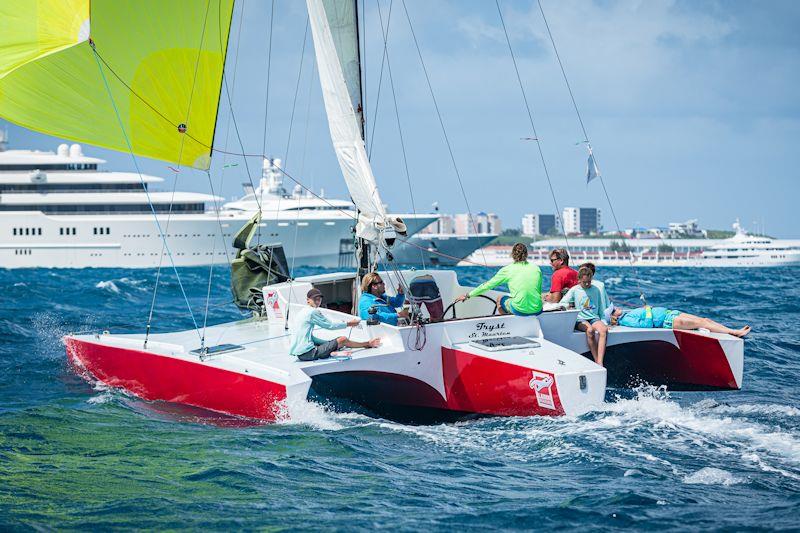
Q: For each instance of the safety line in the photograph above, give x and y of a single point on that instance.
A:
(441, 121)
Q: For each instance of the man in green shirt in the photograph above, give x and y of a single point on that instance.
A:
(524, 281)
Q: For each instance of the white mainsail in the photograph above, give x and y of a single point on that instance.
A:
(343, 119)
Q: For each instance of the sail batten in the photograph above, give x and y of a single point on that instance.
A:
(162, 60)
(343, 116)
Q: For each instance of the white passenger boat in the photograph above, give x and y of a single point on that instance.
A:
(61, 210)
(739, 251)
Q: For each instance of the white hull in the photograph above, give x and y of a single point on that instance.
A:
(495, 258)
(133, 241)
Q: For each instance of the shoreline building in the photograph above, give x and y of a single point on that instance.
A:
(534, 225)
(581, 220)
(481, 223)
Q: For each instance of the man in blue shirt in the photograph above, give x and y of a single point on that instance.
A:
(373, 294)
(306, 346)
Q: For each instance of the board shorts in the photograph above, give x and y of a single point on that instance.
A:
(320, 351)
(669, 318)
(589, 321)
(505, 303)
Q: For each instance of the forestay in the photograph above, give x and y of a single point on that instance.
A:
(335, 67)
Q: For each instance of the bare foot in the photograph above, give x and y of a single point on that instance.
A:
(374, 343)
(742, 332)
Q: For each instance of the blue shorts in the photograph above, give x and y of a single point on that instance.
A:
(589, 321)
(669, 318)
(505, 303)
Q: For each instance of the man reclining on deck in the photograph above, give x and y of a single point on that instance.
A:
(661, 317)
(306, 346)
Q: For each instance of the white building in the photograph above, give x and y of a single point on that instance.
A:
(480, 223)
(690, 228)
(537, 224)
(581, 220)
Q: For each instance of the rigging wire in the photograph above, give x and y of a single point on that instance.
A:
(441, 123)
(296, 92)
(177, 176)
(586, 140)
(361, 24)
(269, 70)
(221, 181)
(530, 119)
(385, 35)
(380, 76)
(286, 159)
(141, 178)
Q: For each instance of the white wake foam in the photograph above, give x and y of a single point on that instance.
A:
(312, 414)
(108, 286)
(712, 476)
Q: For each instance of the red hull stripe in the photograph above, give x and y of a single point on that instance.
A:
(482, 385)
(702, 360)
(157, 377)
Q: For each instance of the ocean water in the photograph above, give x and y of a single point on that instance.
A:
(77, 457)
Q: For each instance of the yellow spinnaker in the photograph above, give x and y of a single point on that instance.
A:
(162, 60)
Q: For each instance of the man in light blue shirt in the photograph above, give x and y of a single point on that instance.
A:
(306, 346)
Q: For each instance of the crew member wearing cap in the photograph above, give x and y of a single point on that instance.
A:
(306, 346)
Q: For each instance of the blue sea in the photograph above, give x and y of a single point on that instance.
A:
(74, 456)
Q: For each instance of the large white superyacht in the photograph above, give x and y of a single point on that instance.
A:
(741, 250)
(59, 210)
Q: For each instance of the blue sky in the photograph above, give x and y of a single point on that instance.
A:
(693, 108)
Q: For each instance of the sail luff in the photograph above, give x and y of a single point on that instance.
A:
(343, 122)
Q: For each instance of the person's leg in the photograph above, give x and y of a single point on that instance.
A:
(501, 308)
(590, 340)
(602, 338)
(687, 321)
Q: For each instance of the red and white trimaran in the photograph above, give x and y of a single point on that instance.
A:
(475, 363)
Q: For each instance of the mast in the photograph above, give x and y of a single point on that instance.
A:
(334, 26)
(362, 245)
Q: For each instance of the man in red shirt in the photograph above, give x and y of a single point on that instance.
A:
(563, 278)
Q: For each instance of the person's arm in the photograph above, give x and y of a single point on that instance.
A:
(498, 279)
(318, 319)
(396, 301)
(637, 318)
(556, 286)
(388, 317)
(364, 303)
(567, 298)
